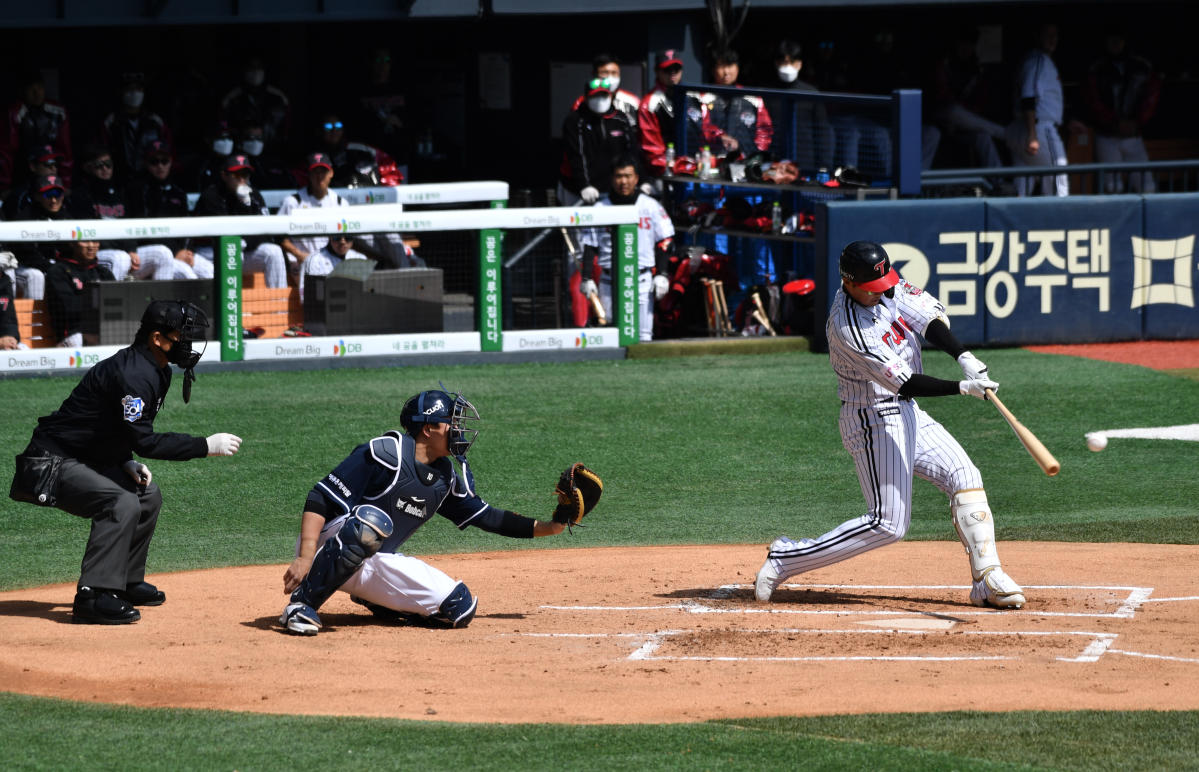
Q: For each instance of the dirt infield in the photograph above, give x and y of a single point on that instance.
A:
(650, 634)
(1156, 354)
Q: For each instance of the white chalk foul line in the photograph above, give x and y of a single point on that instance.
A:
(647, 651)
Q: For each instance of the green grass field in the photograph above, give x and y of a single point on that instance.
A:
(693, 450)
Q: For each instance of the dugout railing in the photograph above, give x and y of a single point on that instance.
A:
(485, 227)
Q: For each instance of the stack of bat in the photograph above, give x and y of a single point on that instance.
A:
(716, 308)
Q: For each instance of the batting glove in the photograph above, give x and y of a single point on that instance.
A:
(661, 286)
(589, 194)
(223, 444)
(138, 471)
(972, 366)
(587, 287)
(977, 387)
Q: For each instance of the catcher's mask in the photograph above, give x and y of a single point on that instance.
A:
(440, 407)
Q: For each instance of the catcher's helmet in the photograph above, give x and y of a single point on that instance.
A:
(439, 407)
(866, 265)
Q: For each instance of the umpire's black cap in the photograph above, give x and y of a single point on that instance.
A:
(167, 315)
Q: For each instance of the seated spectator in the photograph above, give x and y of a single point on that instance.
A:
(270, 173)
(322, 262)
(66, 291)
(41, 161)
(128, 131)
(234, 196)
(10, 331)
(960, 99)
(220, 147)
(96, 196)
(34, 258)
(254, 101)
(735, 125)
(591, 137)
(33, 122)
(316, 195)
(1121, 92)
(355, 164)
(154, 194)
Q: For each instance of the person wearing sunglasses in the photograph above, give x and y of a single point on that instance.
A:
(34, 258)
(155, 194)
(657, 116)
(98, 196)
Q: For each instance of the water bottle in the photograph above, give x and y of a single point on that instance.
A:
(705, 162)
(776, 218)
(670, 158)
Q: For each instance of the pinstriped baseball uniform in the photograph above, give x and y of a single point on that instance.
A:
(874, 351)
(1039, 80)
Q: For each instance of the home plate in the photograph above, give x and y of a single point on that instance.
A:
(911, 623)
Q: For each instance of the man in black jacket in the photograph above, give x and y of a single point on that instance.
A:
(155, 194)
(97, 196)
(234, 196)
(592, 136)
(66, 285)
(106, 419)
(34, 258)
(10, 331)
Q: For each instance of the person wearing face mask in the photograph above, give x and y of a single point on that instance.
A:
(269, 172)
(802, 129)
(220, 147)
(607, 66)
(129, 130)
(80, 459)
(233, 195)
(591, 136)
(254, 100)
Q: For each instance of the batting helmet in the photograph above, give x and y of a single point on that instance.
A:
(866, 265)
(439, 407)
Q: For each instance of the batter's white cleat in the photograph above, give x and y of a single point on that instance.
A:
(300, 618)
(997, 589)
(768, 575)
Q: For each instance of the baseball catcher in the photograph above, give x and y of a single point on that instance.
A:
(357, 518)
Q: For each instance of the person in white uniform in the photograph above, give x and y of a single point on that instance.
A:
(1033, 138)
(873, 337)
(655, 233)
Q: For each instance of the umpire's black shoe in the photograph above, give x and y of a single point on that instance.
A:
(143, 594)
(102, 607)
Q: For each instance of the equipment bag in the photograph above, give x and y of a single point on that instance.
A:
(36, 478)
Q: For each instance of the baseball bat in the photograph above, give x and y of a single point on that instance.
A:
(592, 297)
(1049, 465)
(762, 314)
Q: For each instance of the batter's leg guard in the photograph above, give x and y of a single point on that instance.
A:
(341, 555)
(976, 528)
(458, 608)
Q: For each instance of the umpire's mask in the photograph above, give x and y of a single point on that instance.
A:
(191, 322)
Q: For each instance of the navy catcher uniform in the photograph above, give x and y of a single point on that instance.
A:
(358, 517)
(874, 348)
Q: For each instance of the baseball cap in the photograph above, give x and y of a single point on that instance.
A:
(47, 182)
(237, 162)
(315, 160)
(599, 86)
(158, 149)
(43, 153)
(667, 58)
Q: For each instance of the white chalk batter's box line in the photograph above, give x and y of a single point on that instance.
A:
(1126, 610)
(1099, 644)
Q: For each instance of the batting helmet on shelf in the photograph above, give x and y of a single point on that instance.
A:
(440, 407)
(866, 265)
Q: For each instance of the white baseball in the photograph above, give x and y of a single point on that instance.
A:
(1096, 442)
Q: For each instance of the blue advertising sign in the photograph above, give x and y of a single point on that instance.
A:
(1036, 270)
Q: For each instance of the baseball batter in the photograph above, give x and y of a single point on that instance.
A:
(874, 348)
(359, 515)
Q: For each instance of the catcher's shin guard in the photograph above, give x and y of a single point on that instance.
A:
(458, 608)
(342, 554)
(976, 528)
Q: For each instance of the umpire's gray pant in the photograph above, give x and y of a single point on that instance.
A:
(123, 516)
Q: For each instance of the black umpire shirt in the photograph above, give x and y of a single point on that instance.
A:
(110, 415)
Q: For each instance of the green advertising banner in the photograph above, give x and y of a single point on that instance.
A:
(624, 294)
(227, 303)
(490, 294)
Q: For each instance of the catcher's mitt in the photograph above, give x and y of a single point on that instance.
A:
(578, 490)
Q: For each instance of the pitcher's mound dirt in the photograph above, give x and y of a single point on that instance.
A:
(648, 635)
